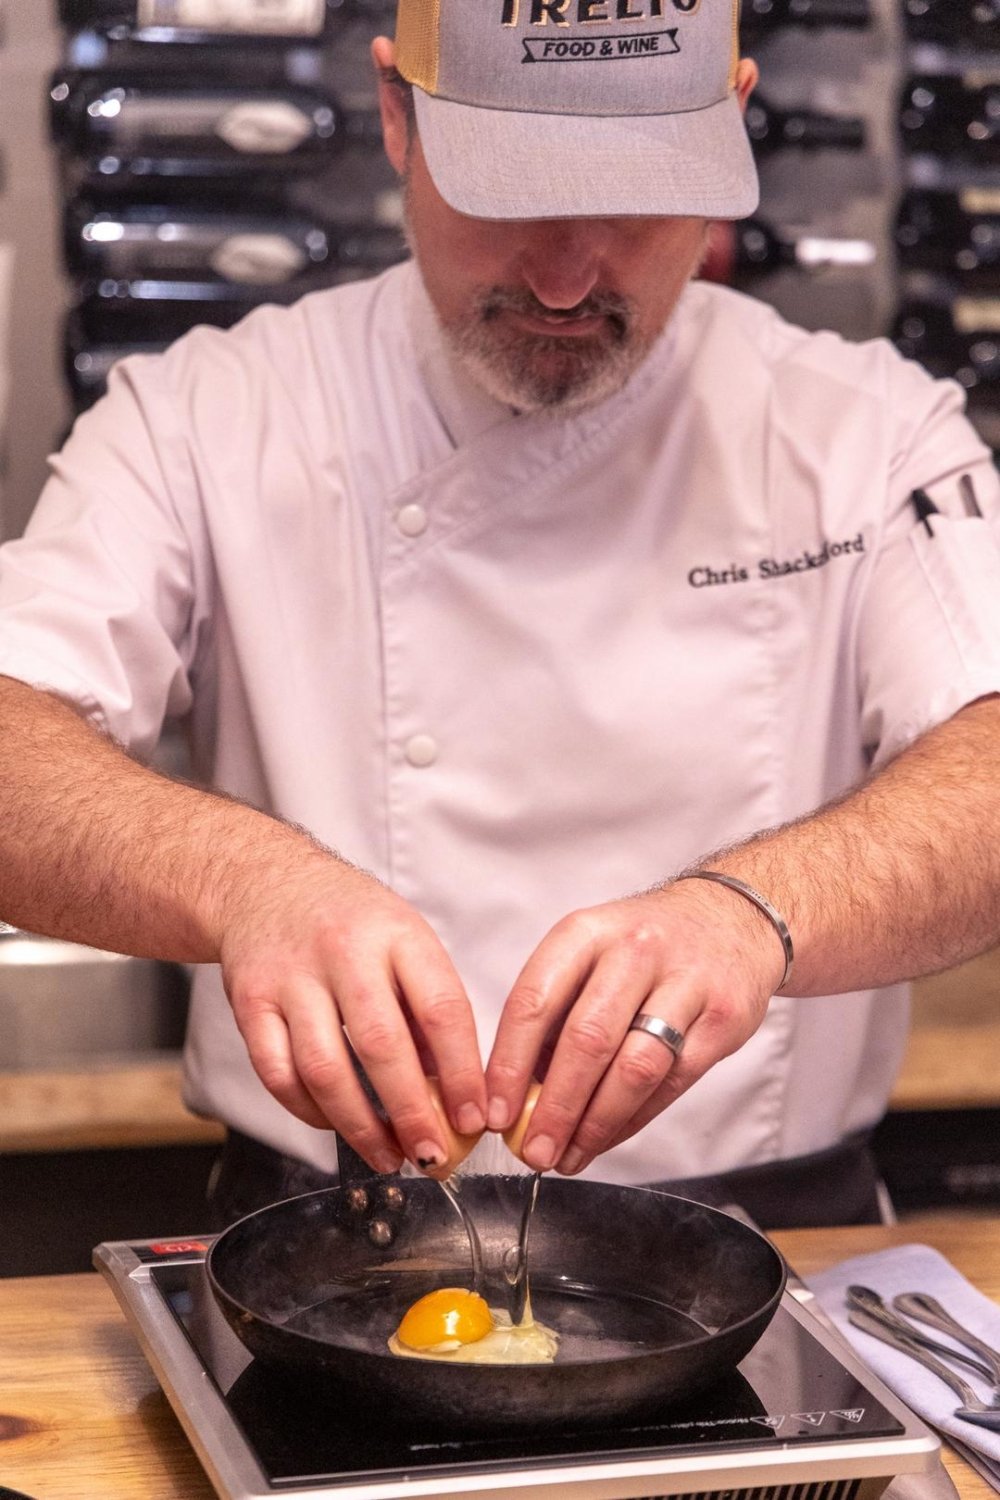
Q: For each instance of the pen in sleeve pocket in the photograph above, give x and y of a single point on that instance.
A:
(925, 508)
(972, 506)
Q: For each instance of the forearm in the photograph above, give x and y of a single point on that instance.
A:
(899, 879)
(99, 849)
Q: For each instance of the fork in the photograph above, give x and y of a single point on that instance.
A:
(973, 1409)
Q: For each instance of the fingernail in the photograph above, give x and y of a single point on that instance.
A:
(498, 1115)
(471, 1120)
(540, 1153)
(428, 1154)
(387, 1164)
(572, 1161)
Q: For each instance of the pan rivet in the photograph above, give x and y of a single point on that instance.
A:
(380, 1233)
(357, 1199)
(395, 1198)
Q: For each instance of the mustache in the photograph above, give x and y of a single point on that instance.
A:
(617, 310)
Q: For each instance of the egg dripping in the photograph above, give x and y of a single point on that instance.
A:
(453, 1323)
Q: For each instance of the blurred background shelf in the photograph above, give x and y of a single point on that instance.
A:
(111, 1104)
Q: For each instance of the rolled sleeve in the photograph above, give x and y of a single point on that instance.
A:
(929, 631)
(98, 599)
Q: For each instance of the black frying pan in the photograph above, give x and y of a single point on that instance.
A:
(655, 1297)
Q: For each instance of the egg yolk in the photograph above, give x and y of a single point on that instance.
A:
(451, 1315)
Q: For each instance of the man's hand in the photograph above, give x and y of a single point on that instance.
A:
(324, 949)
(101, 850)
(699, 957)
(898, 879)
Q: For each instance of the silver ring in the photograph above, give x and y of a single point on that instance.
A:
(668, 1035)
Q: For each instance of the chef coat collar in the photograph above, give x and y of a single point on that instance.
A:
(464, 408)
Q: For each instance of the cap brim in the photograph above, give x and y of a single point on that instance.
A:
(504, 164)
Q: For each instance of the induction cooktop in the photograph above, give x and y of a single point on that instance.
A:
(799, 1419)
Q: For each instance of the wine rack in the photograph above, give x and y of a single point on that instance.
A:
(897, 235)
(212, 155)
(947, 225)
(819, 247)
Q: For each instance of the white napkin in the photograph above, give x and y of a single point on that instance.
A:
(917, 1268)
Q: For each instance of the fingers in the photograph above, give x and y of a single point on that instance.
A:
(583, 1108)
(545, 989)
(262, 1025)
(662, 954)
(594, 981)
(648, 1076)
(298, 1049)
(444, 1028)
(399, 1006)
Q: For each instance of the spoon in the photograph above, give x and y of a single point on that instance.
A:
(927, 1309)
(865, 1300)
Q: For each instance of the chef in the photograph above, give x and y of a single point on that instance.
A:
(583, 669)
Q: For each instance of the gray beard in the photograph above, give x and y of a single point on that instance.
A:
(534, 373)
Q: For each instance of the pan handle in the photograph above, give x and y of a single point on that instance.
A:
(353, 1169)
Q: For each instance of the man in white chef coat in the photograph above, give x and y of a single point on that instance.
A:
(570, 677)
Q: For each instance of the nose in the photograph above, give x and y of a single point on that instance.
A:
(563, 260)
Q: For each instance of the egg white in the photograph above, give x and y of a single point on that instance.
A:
(526, 1343)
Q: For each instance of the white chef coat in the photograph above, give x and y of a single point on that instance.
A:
(518, 665)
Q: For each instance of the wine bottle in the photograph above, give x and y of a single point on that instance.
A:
(111, 311)
(199, 20)
(739, 251)
(959, 339)
(975, 23)
(151, 310)
(758, 16)
(955, 233)
(128, 122)
(771, 129)
(257, 249)
(87, 366)
(947, 115)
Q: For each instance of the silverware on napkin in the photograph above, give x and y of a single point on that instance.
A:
(864, 1300)
(869, 1313)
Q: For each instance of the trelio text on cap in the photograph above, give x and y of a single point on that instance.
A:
(543, 11)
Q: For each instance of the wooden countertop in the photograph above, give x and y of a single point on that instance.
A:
(950, 1067)
(81, 1414)
(106, 1104)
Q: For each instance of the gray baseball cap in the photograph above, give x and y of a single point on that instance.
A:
(542, 109)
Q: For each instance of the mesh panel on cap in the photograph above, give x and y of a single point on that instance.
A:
(417, 42)
(736, 43)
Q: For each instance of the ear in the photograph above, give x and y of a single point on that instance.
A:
(395, 125)
(747, 78)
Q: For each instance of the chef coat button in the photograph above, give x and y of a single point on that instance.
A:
(421, 750)
(412, 520)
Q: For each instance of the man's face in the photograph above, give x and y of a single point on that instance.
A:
(547, 314)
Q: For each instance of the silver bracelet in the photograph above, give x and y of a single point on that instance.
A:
(762, 904)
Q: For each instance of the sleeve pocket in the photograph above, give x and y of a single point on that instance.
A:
(961, 563)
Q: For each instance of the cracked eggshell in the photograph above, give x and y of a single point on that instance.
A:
(514, 1134)
(457, 1147)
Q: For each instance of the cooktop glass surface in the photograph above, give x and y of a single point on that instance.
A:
(788, 1391)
